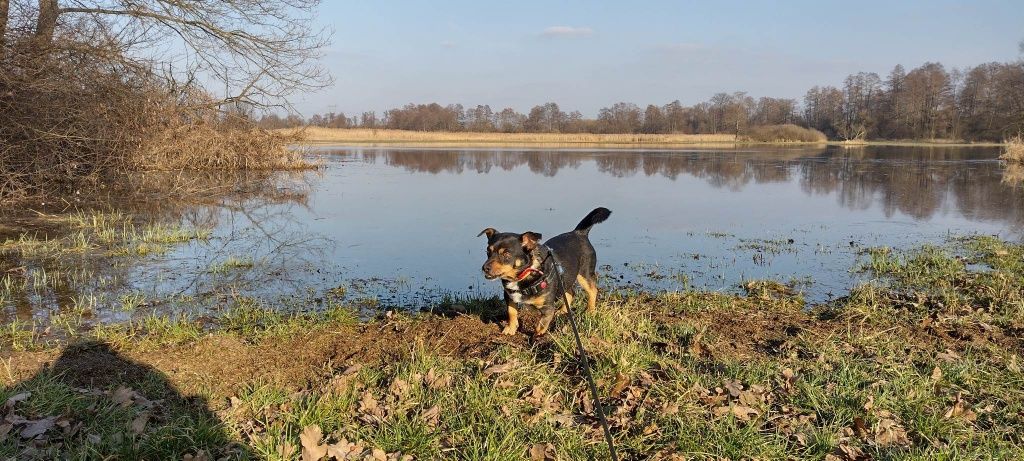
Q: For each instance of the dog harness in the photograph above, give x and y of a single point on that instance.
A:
(518, 291)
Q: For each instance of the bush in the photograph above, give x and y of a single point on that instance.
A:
(784, 133)
(74, 119)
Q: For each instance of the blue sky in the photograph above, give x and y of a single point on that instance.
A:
(587, 55)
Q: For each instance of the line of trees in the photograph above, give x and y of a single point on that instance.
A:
(983, 103)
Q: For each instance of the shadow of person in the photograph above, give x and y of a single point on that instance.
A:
(92, 402)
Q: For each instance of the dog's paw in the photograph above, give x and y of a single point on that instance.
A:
(510, 330)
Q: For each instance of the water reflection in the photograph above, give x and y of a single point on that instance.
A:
(915, 181)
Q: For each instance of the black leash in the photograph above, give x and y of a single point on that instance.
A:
(583, 358)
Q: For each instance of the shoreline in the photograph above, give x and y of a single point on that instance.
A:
(399, 138)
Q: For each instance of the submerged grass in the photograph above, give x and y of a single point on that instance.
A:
(921, 363)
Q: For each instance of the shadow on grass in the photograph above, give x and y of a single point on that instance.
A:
(95, 403)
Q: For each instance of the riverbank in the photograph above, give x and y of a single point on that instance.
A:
(923, 362)
(402, 138)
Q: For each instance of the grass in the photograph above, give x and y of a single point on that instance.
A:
(232, 263)
(922, 362)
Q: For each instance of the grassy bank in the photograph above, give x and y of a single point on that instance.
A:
(783, 134)
(921, 363)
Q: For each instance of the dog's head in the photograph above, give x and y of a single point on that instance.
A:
(508, 253)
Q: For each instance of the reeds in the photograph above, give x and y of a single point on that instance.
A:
(364, 135)
(785, 133)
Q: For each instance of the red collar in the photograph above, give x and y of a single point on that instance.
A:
(526, 273)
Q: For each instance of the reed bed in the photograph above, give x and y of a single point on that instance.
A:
(364, 135)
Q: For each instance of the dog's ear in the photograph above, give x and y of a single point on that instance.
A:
(489, 231)
(530, 240)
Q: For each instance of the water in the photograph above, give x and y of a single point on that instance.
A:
(400, 225)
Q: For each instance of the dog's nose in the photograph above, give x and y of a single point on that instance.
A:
(486, 267)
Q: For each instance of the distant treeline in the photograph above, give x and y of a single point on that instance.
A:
(984, 103)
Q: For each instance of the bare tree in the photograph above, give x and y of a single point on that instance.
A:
(5, 13)
(261, 51)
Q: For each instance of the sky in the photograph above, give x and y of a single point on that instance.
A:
(586, 55)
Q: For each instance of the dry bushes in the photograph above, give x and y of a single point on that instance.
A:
(76, 119)
(1013, 151)
(785, 133)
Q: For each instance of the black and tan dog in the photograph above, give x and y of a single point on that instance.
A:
(528, 274)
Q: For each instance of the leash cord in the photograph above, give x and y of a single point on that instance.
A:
(584, 362)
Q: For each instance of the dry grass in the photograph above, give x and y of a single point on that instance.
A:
(1013, 150)
(785, 133)
(360, 135)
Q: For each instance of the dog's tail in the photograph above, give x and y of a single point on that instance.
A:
(594, 217)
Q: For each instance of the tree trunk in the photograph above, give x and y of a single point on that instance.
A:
(5, 9)
(46, 24)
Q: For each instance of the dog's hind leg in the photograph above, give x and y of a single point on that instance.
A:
(565, 307)
(590, 287)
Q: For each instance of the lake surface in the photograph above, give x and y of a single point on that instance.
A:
(400, 225)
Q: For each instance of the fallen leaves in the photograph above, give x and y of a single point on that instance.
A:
(497, 369)
(888, 432)
(741, 412)
(38, 427)
(542, 452)
(138, 425)
(961, 410)
(314, 448)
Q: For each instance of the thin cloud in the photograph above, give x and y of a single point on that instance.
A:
(685, 47)
(567, 31)
(447, 44)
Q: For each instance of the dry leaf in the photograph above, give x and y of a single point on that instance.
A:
(17, 398)
(936, 373)
(342, 449)
(124, 396)
(399, 387)
(138, 424)
(312, 449)
(497, 369)
(621, 381)
(961, 409)
(948, 356)
(37, 427)
(734, 387)
(431, 416)
(741, 412)
(286, 450)
(888, 432)
(542, 452)
(200, 455)
(379, 454)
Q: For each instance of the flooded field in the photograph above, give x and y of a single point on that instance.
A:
(398, 227)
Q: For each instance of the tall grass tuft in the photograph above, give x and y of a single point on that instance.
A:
(1013, 151)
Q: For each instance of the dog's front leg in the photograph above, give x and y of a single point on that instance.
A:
(547, 315)
(513, 320)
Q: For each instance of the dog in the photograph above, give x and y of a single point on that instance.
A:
(528, 273)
